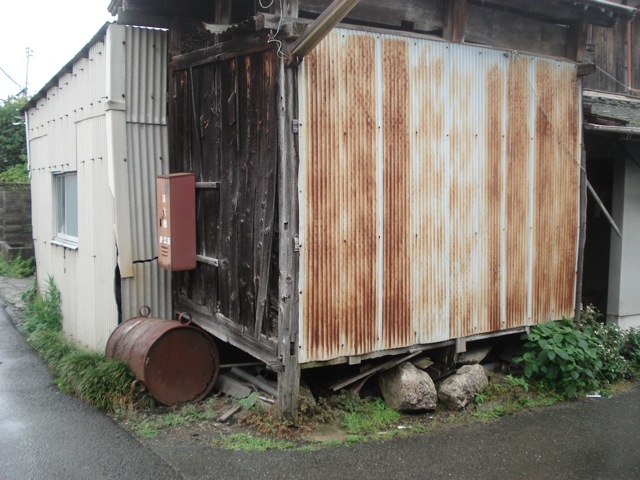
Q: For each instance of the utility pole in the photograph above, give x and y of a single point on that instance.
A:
(25, 91)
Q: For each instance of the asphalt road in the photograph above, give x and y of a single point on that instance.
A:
(45, 434)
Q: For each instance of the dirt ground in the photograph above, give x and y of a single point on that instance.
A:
(322, 415)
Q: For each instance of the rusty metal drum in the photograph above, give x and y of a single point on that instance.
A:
(176, 361)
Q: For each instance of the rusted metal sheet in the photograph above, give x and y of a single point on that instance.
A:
(176, 362)
(434, 178)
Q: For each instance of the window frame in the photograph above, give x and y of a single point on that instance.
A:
(63, 232)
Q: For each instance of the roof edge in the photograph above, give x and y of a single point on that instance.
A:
(100, 34)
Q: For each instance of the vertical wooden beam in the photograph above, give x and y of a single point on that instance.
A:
(577, 41)
(455, 20)
(288, 300)
(223, 12)
(289, 8)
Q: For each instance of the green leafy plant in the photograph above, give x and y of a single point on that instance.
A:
(562, 356)
(573, 359)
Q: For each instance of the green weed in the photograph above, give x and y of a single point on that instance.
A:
(104, 383)
(150, 424)
(248, 442)
(367, 418)
(17, 267)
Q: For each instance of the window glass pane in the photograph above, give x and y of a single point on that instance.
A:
(71, 205)
(59, 204)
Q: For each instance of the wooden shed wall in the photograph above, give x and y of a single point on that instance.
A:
(607, 48)
(439, 192)
(225, 130)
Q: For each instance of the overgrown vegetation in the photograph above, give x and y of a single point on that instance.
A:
(510, 394)
(369, 417)
(147, 424)
(17, 267)
(104, 383)
(248, 442)
(575, 359)
(13, 151)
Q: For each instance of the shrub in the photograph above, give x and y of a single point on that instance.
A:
(562, 356)
(572, 359)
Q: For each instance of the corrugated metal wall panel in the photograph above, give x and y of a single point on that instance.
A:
(146, 288)
(438, 169)
(146, 75)
(67, 133)
(148, 157)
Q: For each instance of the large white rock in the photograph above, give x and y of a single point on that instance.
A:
(407, 388)
(458, 390)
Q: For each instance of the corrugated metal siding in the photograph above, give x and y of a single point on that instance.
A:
(433, 179)
(68, 133)
(147, 157)
(146, 76)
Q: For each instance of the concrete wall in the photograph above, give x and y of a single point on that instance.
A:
(15, 221)
(624, 264)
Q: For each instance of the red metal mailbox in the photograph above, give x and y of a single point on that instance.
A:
(176, 201)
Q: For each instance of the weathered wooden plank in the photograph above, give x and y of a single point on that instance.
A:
(221, 51)
(229, 331)
(577, 41)
(288, 295)
(264, 202)
(288, 8)
(488, 26)
(425, 15)
(455, 20)
(229, 184)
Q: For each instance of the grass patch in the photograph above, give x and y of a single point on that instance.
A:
(250, 443)
(150, 424)
(18, 267)
(99, 381)
(369, 418)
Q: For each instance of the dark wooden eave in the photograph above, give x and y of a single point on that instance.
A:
(597, 12)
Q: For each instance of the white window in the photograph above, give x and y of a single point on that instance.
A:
(65, 209)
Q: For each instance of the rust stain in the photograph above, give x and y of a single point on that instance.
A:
(494, 105)
(341, 295)
(517, 192)
(396, 301)
(457, 157)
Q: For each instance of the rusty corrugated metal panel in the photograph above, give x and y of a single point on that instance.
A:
(342, 231)
(443, 171)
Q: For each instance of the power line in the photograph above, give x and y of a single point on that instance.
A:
(9, 77)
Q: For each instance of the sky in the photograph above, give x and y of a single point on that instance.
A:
(55, 30)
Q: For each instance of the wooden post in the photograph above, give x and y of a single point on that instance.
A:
(288, 300)
(582, 235)
(577, 41)
(289, 9)
(455, 20)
